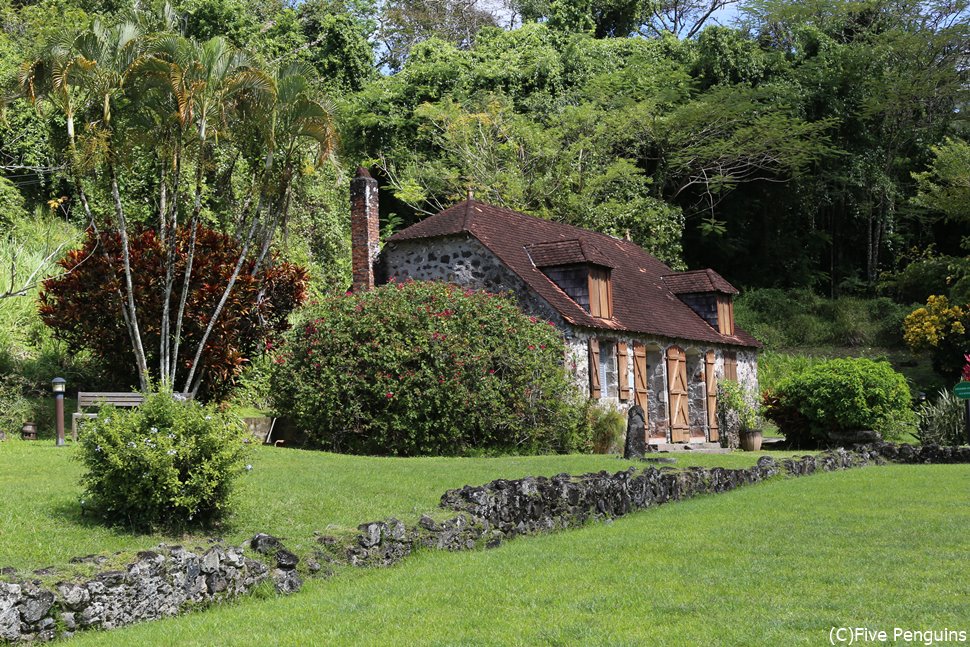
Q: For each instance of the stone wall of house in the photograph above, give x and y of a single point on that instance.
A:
(463, 260)
(577, 361)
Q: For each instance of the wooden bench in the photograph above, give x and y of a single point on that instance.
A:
(97, 399)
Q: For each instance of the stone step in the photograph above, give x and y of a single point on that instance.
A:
(699, 448)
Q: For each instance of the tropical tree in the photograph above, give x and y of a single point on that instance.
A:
(227, 137)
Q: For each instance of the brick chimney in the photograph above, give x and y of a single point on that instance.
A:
(364, 229)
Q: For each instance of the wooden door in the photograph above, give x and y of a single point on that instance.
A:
(677, 392)
(710, 381)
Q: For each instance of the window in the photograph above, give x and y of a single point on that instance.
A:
(603, 379)
(600, 293)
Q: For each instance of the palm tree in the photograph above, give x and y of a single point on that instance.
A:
(295, 116)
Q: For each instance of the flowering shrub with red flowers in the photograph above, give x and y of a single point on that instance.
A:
(428, 368)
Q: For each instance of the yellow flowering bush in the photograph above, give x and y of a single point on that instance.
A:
(941, 329)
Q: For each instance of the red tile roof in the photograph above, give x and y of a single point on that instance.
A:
(643, 301)
(698, 281)
(565, 252)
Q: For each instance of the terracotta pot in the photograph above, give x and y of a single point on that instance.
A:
(751, 440)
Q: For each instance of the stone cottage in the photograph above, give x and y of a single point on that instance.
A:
(636, 331)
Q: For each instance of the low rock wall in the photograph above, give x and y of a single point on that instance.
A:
(169, 580)
(502, 509)
(156, 584)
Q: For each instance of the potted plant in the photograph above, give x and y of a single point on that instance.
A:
(738, 419)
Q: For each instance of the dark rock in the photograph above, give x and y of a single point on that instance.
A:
(371, 533)
(36, 605)
(287, 581)
(636, 435)
(286, 560)
(265, 544)
(111, 578)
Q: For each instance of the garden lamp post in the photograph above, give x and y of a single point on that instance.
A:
(58, 384)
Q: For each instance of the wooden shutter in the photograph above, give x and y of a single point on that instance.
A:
(677, 391)
(730, 365)
(594, 369)
(710, 381)
(640, 376)
(622, 370)
(725, 315)
(600, 293)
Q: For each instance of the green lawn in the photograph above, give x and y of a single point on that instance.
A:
(289, 493)
(773, 564)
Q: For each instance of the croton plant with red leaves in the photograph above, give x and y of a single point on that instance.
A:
(83, 304)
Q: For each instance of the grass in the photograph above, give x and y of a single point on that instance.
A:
(775, 564)
(289, 493)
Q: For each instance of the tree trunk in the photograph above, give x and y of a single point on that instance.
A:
(132, 313)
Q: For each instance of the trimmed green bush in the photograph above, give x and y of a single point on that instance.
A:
(941, 421)
(167, 464)
(428, 368)
(826, 401)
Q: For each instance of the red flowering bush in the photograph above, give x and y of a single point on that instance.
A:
(428, 368)
(83, 308)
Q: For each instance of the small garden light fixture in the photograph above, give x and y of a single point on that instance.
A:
(59, 385)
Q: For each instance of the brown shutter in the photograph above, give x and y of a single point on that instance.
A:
(725, 315)
(710, 381)
(677, 390)
(606, 295)
(594, 369)
(640, 375)
(622, 370)
(730, 365)
(600, 293)
(594, 292)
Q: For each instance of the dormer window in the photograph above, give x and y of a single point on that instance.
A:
(580, 271)
(707, 294)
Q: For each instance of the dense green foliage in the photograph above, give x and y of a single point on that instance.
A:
(428, 368)
(793, 318)
(818, 146)
(15, 409)
(817, 405)
(941, 421)
(731, 396)
(608, 429)
(166, 464)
